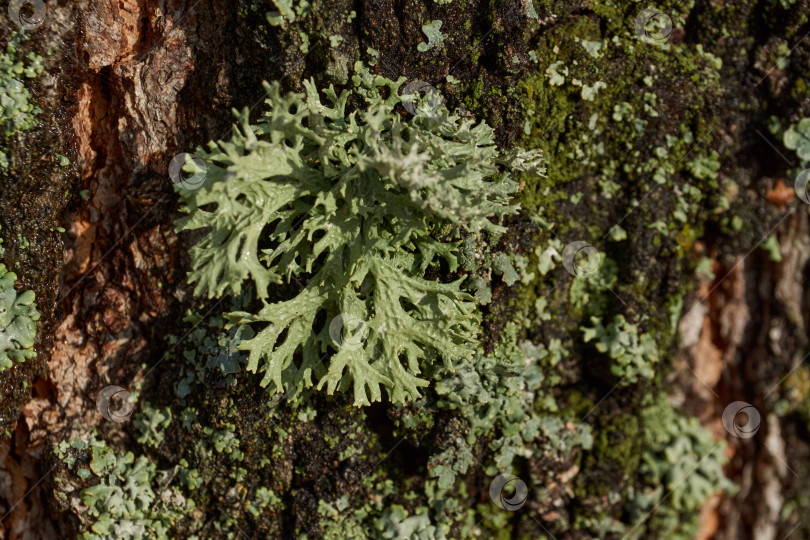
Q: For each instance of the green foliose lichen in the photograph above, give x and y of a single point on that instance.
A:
(797, 138)
(287, 11)
(682, 465)
(17, 112)
(634, 356)
(128, 497)
(18, 320)
(352, 200)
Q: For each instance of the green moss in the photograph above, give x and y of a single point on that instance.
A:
(635, 140)
(638, 85)
(615, 457)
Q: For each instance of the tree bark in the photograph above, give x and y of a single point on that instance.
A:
(135, 82)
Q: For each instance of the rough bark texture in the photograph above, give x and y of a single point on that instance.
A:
(132, 83)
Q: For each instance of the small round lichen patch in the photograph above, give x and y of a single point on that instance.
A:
(18, 317)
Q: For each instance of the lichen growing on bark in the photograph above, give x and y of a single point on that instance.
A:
(566, 391)
(18, 320)
(358, 204)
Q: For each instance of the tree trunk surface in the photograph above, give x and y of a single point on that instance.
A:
(132, 83)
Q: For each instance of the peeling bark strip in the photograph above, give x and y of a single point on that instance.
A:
(123, 97)
(125, 123)
(133, 83)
